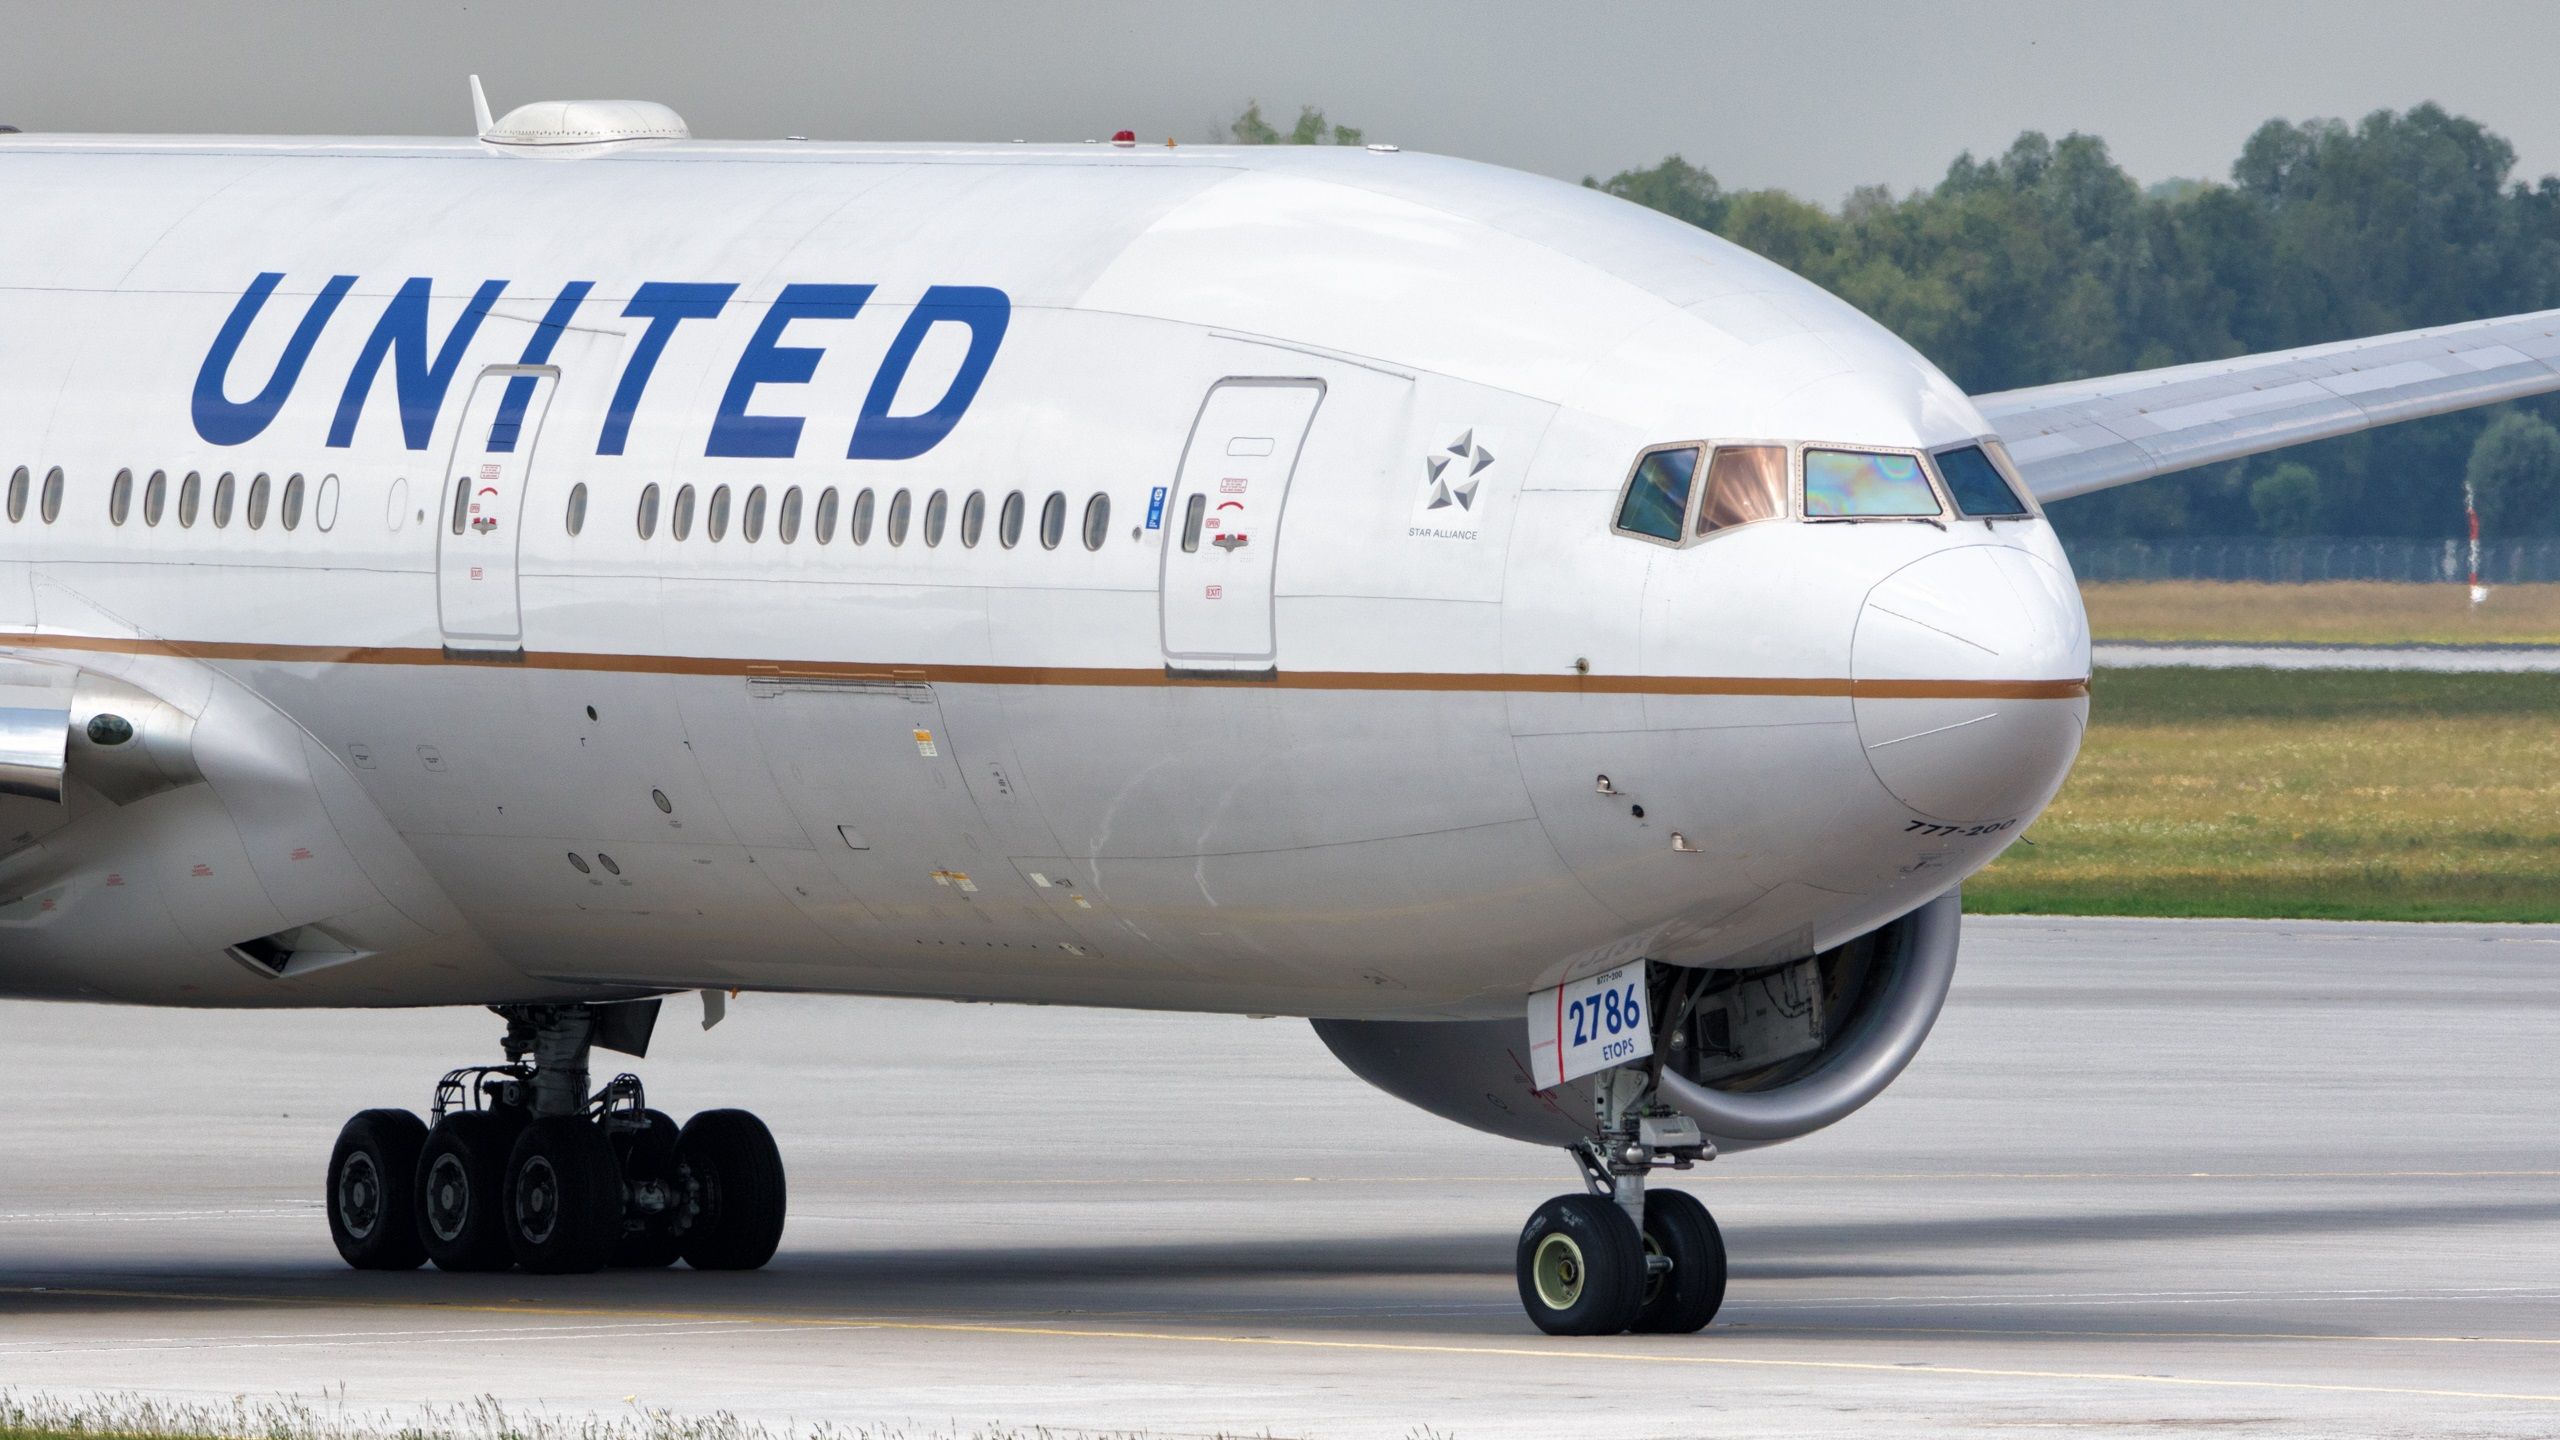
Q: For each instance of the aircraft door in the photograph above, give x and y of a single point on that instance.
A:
(477, 540)
(1223, 527)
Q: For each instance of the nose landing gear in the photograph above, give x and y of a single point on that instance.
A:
(1620, 1257)
(523, 1167)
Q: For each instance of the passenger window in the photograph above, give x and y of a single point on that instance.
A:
(715, 524)
(576, 519)
(258, 503)
(222, 490)
(786, 526)
(1192, 515)
(1744, 483)
(936, 511)
(1657, 502)
(648, 517)
(1097, 521)
(825, 528)
(291, 515)
(859, 531)
(120, 498)
(461, 500)
(899, 510)
(973, 518)
(751, 523)
(680, 524)
(1839, 483)
(18, 484)
(155, 497)
(52, 494)
(1981, 491)
(188, 493)
(1053, 521)
(1009, 522)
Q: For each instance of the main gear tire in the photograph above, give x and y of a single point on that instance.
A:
(732, 1187)
(462, 1172)
(563, 1197)
(372, 1193)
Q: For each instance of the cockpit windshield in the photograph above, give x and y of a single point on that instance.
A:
(1981, 491)
(1744, 483)
(1657, 502)
(1843, 483)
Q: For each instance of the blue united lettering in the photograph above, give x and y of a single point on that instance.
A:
(758, 415)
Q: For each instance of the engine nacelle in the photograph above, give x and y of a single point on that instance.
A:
(1764, 1055)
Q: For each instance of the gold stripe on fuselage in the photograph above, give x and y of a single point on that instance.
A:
(1371, 680)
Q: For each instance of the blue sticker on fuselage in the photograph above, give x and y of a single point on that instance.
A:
(1155, 509)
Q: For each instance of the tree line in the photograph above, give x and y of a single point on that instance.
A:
(2048, 262)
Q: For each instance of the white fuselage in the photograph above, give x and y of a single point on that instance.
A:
(1340, 756)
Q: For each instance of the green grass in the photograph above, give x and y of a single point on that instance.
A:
(2313, 794)
(36, 1416)
(2331, 613)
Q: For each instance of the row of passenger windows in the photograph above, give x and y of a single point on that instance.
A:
(1747, 483)
(225, 495)
(262, 497)
(750, 515)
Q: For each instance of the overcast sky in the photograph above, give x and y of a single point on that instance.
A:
(1815, 96)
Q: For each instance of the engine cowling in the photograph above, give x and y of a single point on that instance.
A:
(1764, 1055)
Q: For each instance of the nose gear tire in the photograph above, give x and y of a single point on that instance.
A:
(1683, 1299)
(372, 1192)
(729, 1163)
(461, 1176)
(563, 1203)
(1580, 1264)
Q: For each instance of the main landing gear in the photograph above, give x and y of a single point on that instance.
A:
(1620, 1258)
(524, 1167)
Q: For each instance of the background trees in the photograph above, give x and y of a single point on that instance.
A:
(2048, 262)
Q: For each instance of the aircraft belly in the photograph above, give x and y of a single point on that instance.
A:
(1203, 847)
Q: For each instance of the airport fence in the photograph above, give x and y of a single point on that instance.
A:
(2510, 562)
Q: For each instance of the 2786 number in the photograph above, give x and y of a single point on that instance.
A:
(1611, 1012)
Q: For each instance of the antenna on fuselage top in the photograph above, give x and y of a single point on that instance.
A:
(481, 124)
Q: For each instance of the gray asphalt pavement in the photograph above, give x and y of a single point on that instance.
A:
(2279, 1178)
(2511, 659)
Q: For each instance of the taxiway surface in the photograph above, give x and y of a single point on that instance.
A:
(2289, 1178)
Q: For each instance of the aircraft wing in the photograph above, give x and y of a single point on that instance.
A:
(2085, 435)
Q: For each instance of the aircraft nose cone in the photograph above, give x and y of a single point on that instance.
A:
(1969, 680)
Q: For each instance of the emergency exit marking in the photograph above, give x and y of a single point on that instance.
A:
(1216, 592)
(924, 744)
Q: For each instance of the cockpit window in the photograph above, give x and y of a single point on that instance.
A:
(1840, 483)
(1981, 491)
(1744, 483)
(1657, 502)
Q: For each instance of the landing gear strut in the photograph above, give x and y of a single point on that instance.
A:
(1620, 1257)
(525, 1166)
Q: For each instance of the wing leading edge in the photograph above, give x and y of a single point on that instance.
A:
(2085, 435)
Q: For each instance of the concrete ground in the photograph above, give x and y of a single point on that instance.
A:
(2457, 660)
(2272, 1178)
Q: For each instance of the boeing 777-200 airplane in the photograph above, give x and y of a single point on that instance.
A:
(1571, 659)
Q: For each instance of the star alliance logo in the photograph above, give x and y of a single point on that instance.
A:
(1456, 472)
(1452, 477)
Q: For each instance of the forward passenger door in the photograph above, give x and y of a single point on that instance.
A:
(1224, 523)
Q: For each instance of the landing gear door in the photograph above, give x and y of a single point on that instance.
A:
(1223, 526)
(479, 530)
